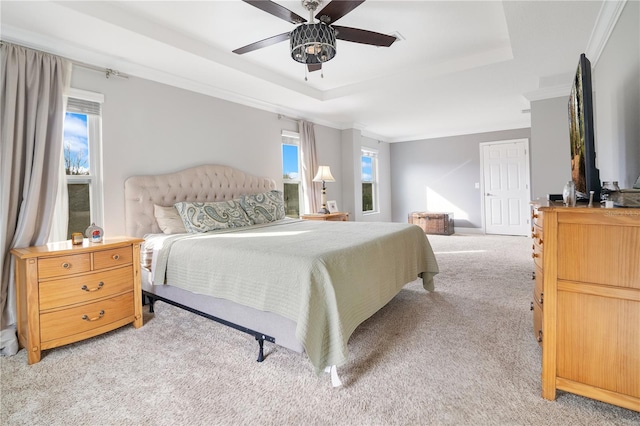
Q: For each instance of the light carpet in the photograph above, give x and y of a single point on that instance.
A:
(463, 355)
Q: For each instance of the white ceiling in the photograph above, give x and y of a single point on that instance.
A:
(461, 67)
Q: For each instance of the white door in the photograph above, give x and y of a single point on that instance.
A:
(505, 169)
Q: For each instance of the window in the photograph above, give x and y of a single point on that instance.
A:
(82, 160)
(291, 173)
(369, 161)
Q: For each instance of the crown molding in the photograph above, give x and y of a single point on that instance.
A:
(605, 23)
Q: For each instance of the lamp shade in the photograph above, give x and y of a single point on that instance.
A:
(313, 43)
(324, 175)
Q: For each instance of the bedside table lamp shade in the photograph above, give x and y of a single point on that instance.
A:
(324, 175)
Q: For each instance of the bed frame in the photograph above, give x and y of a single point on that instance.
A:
(202, 183)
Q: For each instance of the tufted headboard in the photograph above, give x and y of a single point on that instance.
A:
(201, 183)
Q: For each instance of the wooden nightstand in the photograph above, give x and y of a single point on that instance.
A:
(66, 293)
(338, 216)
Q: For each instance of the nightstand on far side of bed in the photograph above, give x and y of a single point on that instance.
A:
(337, 216)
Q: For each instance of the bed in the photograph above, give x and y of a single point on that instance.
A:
(304, 285)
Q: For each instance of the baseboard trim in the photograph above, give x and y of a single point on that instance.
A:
(461, 230)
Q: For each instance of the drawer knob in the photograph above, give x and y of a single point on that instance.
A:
(85, 288)
(534, 255)
(100, 315)
(531, 307)
(539, 336)
(66, 265)
(533, 275)
(116, 256)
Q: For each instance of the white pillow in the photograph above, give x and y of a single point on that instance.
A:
(169, 220)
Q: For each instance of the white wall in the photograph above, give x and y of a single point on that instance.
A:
(151, 128)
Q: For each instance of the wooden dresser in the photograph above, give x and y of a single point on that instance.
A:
(66, 293)
(338, 216)
(587, 301)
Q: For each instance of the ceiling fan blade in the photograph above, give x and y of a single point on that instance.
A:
(314, 67)
(337, 9)
(363, 36)
(276, 10)
(262, 43)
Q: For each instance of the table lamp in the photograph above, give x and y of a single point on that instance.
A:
(324, 175)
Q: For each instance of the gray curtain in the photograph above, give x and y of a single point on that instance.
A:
(32, 86)
(310, 189)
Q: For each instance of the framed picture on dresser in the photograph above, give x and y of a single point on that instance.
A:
(332, 205)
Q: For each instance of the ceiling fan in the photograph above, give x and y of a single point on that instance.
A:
(313, 43)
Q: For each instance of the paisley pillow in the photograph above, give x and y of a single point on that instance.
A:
(203, 217)
(264, 207)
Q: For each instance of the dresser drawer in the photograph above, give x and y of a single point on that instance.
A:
(64, 265)
(67, 322)
(537, 217)
(536, 236)
(112, 258)
(85, 288)
(538, 290)
(537, 322)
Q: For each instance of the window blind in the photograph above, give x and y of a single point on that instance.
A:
(369, 153)
(83, 106)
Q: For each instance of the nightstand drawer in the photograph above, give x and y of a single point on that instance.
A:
(64, 265)
(67, 322)
(112, 258)
(85, 288)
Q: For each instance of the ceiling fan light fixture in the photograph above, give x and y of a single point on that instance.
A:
(313, 43)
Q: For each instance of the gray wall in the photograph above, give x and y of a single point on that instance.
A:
(440, 175)
(151, 128)
(352, 143)
(384, 185)
(449, 167)
(550, 151)
(616, 81)
(616, 85)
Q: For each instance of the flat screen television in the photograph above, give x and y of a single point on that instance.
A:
(584, 173)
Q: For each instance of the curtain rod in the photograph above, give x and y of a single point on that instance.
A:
(108, 72)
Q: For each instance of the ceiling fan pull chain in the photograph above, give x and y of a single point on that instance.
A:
(305, 74)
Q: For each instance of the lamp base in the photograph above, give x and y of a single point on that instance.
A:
(324, 210)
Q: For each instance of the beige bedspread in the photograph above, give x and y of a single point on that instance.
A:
(328, 277)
